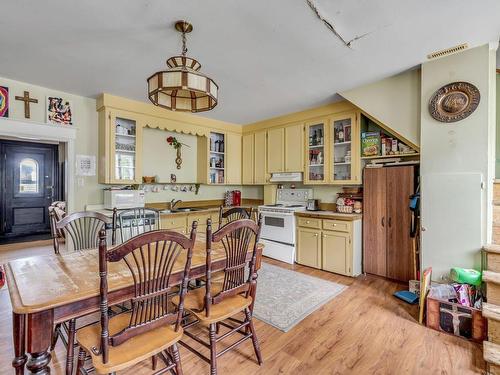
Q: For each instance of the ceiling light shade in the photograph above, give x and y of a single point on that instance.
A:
(182, 87)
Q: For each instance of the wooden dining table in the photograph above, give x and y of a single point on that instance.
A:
(49, 289)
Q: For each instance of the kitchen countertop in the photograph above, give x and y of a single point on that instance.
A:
(329, 215)
(109, 213)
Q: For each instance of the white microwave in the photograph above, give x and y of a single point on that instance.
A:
(122, 199)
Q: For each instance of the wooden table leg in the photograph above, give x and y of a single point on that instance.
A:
(19, 335)
(39, 337)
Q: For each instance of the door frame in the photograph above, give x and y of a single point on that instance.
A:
(39, 132)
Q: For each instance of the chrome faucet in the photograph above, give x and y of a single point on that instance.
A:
(174, 203)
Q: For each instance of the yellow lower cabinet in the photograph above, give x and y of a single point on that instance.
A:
(175, 221)
(309, 247)
(200, 217)
(336, 251)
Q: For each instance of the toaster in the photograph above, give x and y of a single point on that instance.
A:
(312, 205)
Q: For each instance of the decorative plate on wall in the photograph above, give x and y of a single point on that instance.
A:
(454, 101)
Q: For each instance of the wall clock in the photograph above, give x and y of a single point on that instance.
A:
(454, 102)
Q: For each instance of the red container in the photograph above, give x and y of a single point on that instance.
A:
(236, 198)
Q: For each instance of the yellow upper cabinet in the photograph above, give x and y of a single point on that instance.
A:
(344, 139)
(294, 148)
(120, 147)
(316, 151)
(276, 150)
(247, 164)
(260, 158)
(233, 159)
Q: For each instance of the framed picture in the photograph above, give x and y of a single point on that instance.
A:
(59, 111)
(4, 101)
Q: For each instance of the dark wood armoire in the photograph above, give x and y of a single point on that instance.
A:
(387, 243)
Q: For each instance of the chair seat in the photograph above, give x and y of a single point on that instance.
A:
(132, 351)
(195, 303)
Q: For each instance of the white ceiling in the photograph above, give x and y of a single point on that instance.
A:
(269, 57)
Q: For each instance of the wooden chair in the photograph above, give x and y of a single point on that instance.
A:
(232, 214)
(82, 233)
(153, 326)
(129, 223)
(55, 214)
(220, 301)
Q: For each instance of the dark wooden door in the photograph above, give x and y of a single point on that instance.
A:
(400, 186)
(374, 221)
(29, 185)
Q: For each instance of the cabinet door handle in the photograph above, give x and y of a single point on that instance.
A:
(315, 234)
(334, 225)
(307, 221)
(383, 221)
(390, 222)
(324, 236)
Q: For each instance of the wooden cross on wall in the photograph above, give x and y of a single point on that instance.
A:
(27, 100)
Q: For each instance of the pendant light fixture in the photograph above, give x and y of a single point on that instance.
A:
(182, 87)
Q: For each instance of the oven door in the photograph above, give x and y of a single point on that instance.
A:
(279, 227)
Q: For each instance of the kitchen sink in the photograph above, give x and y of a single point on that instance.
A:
(187, 209)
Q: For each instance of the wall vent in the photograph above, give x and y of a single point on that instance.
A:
(447, 51)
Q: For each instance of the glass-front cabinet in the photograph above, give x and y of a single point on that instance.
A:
(344, 140)
(316, 151)
(125, 149)
(217, 159)
(120, 145)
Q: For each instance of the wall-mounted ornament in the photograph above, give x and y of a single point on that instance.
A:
(59, 111)
(27, 101)
(172, 141)
(454, 102)
(4, 101)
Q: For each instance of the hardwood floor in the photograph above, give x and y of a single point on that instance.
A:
(364, 330)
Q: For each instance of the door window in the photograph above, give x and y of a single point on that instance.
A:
(28, 176)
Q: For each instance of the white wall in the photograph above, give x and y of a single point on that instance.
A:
(497, 164)
(395, 101)
(456, 212)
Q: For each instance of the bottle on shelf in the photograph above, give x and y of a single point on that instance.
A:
(320, 136)
(315, 138)
(341, 136)
(221, 146)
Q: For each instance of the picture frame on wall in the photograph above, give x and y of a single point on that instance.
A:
(59, 111)
(4, 101)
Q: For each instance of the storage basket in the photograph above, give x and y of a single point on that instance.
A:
(345, 209)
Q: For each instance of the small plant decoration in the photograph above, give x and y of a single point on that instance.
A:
(172, 141)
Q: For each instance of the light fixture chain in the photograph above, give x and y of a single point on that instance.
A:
(184, 48)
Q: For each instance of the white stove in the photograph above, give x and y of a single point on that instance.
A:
(278, 223)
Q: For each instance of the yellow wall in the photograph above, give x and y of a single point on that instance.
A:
(87, 190)
(394, 101)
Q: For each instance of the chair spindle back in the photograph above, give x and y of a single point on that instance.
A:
(236, 237)
(135, 221)
(232, 214)
(151, 258)
(83, 228)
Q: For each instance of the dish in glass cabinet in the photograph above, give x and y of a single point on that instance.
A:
(454, 102)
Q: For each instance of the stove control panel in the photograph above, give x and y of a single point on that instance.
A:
(293, 196)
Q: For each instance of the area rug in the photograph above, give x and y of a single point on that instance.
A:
(285, 297)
